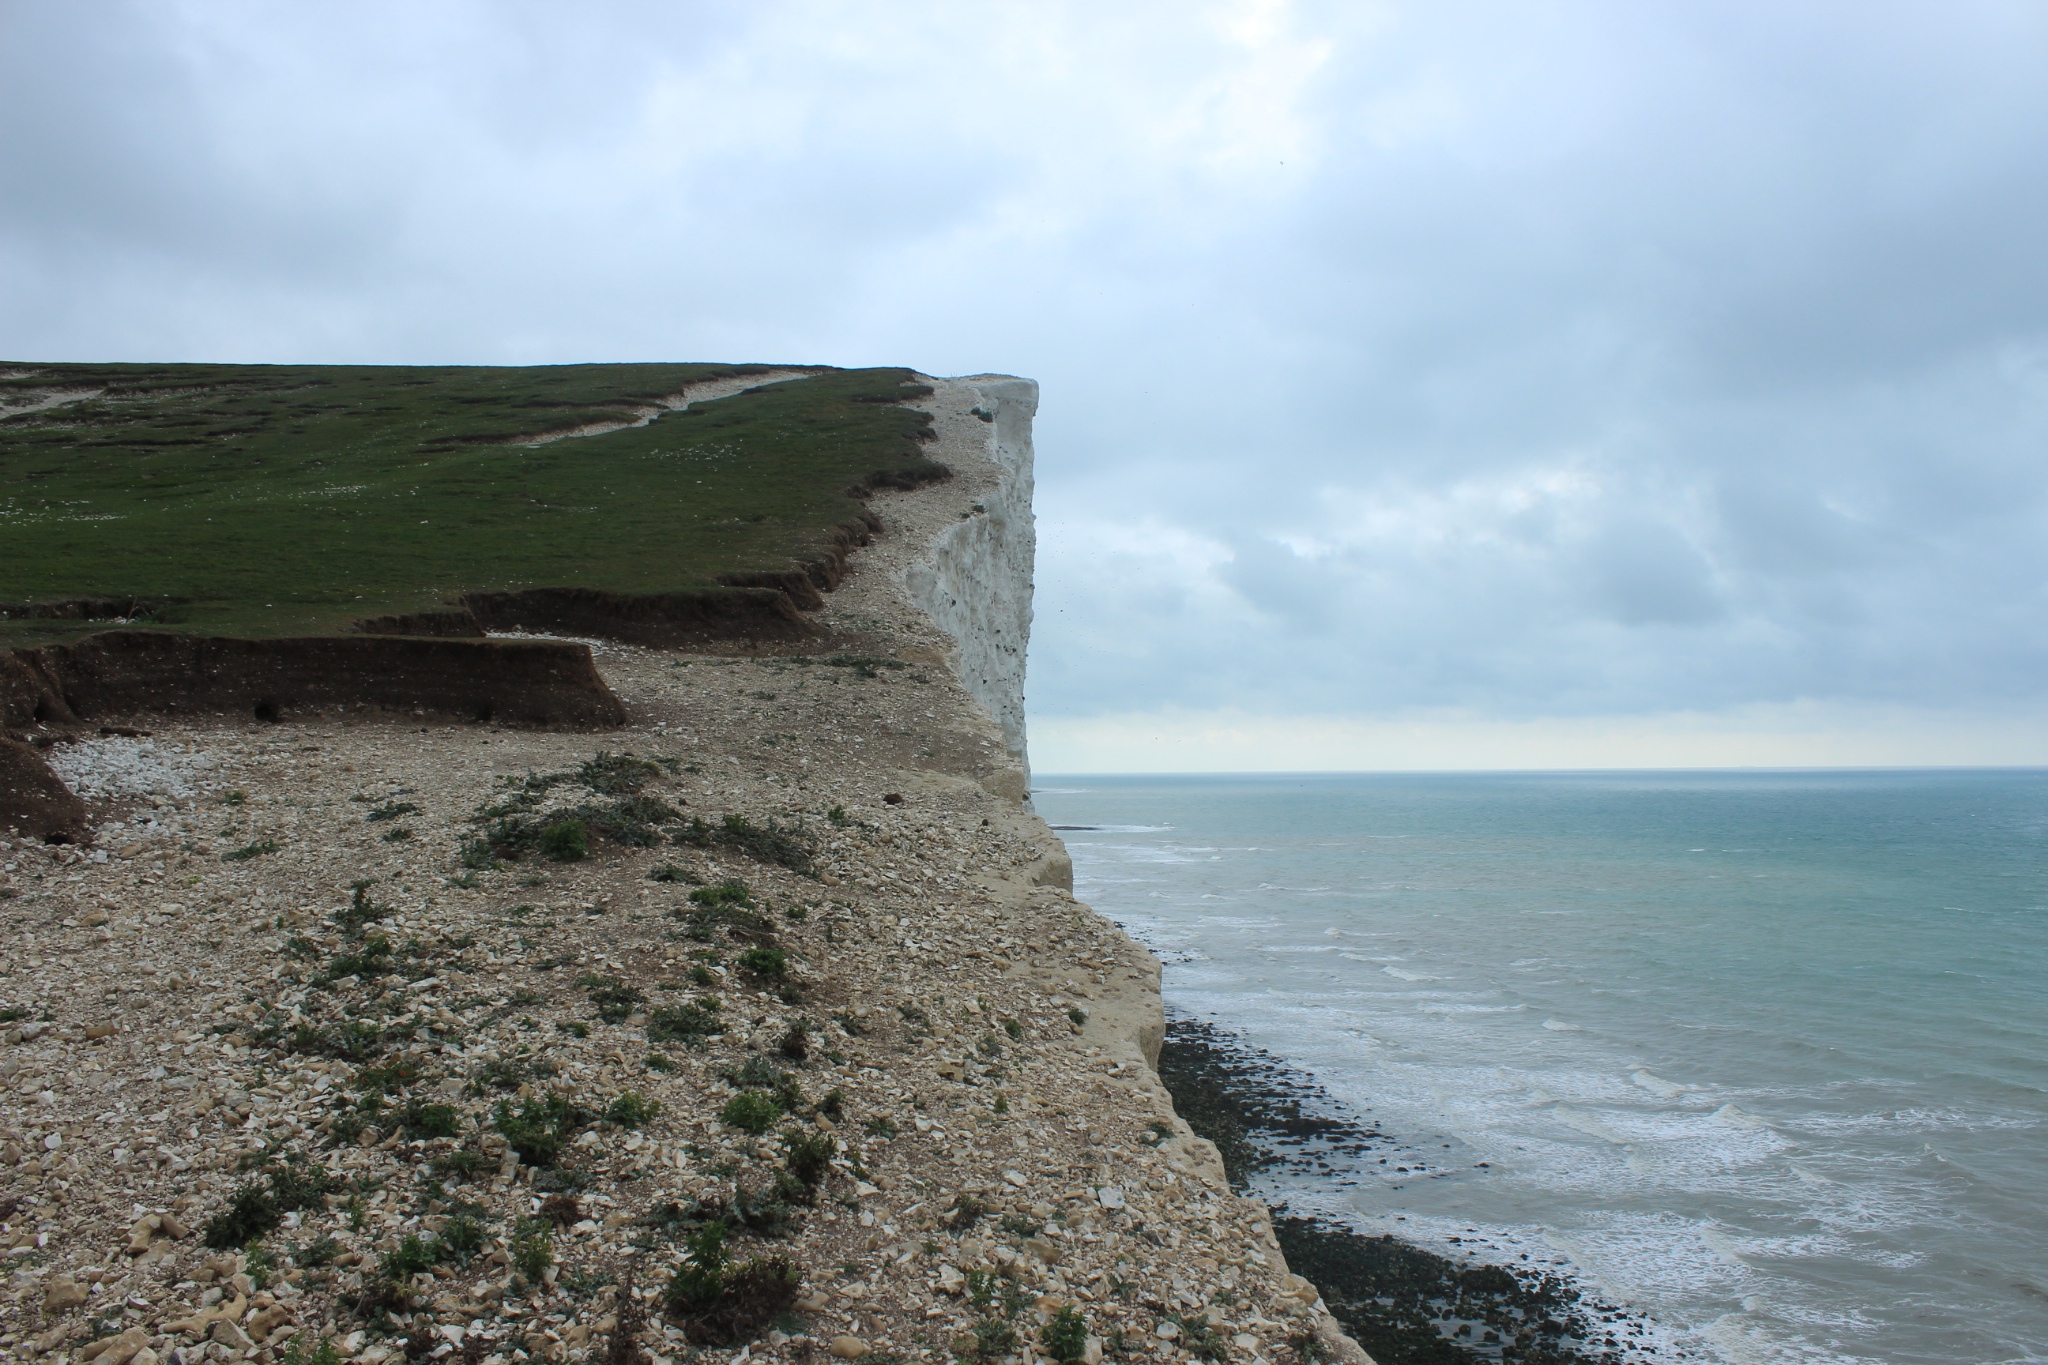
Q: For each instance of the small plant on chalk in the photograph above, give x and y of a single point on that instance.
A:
(615, 1000)
(533, 1247)
(538, 1127)
(631, 1110)
(1198, 1337)
(1066, 1336)
(795, 1043)
(325, 1353)
(751, 1111)
(762, 961)
(810, 1156)
(685, 1023)
(718, 896)
(430, 1120)
(721, 1304)
(565, 841)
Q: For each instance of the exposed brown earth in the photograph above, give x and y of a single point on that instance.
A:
(34, 801)
(520, 682)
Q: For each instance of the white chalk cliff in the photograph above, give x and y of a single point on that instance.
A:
(974, 578)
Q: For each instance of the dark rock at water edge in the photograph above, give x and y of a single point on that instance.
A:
(1258, 1112)
(1404, 1304)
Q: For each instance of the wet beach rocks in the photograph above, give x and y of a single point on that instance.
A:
(1279, 1134)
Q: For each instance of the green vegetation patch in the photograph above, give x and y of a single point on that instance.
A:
(538, 1127)
(752, 1111)
(790, 846)
(683, 1023)
(260, 1206)
(268, 500)
(723, 1304)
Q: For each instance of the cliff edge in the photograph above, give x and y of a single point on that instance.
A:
(763, 1025)
(975, 576)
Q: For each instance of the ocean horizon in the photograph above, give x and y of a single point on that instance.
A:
(1754, 1053)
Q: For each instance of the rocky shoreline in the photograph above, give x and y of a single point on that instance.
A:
(1275, 1130)
(762, 1026)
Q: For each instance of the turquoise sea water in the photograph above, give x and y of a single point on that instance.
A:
(1763, 1055)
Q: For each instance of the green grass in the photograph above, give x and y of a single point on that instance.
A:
(279, 500)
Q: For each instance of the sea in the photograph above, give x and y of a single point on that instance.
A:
(1761, 1056)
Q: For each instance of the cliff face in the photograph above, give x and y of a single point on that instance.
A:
(975, 577)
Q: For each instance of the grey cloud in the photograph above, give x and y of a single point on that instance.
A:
(1645, 574)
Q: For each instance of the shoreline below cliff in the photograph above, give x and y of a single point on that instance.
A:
(1278, 1132)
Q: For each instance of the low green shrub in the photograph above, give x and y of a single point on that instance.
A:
(758, 1073)
(315, 1254)
(751, 1111)
(260, 1206)
(538, 1127)
(431, 1120)
(615, 1000)
(351, 1040)
(611, 774)
(564, 841)
(465, 1163)
(1199, 1338)
(768, 963)
(720, 1304)
(250, 1214)
(298, 1352)
(360, 911)
(789, 846)
(729, 892)
(681, 1023)
(795, 1043)
(809, 1155)
(410, 1257)
(372, 958)
(631, 1110)
(699, 1282)
(533, 1247)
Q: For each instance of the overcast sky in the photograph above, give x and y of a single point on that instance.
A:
(1425, 384)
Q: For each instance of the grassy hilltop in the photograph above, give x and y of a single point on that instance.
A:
(285, 500)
